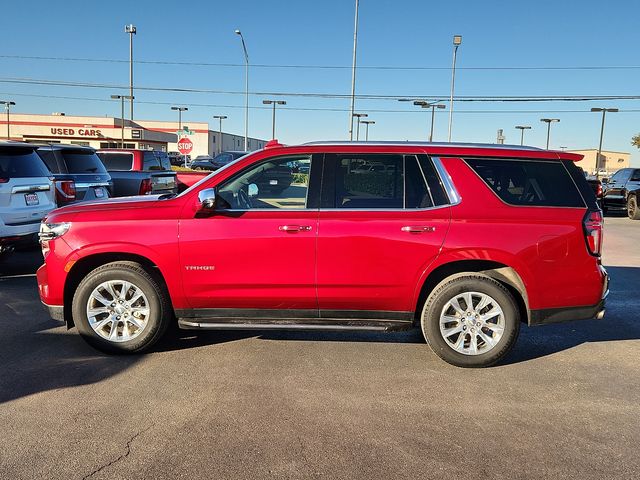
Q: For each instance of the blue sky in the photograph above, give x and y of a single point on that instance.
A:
(392, 34)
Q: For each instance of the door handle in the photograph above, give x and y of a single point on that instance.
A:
(294, 228)
(418, 229)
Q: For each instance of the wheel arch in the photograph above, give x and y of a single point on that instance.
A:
(500, 272)
(83, 266)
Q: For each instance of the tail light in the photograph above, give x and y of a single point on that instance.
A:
(593, 223)
(599, 191)
(65, 191)
(4, 179)
(145, 187)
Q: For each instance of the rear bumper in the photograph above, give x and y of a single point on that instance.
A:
(568, 314)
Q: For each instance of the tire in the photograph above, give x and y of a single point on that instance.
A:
(633, 211)
(137, 325)
(503, 327)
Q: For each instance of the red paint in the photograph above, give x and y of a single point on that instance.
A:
(347, 260)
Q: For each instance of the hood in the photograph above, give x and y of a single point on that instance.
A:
(118, 203)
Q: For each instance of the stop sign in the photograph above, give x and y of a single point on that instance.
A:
(185, 146)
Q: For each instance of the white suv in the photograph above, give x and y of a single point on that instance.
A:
(26, 194)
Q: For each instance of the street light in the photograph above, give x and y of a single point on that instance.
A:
(246, 92)
(604, 113)
(7, 104)
(220, 117)
(457, 41)
(522, 128)
(367, 123)
(359, 116)
(122, 98)
(274, 103)
(131, 30)
(353, 73)
(549, 121)
(432, 106)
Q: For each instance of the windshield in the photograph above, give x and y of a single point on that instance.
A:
(212, 174)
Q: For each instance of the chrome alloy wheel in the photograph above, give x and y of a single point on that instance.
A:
(118, 310)
(472, 323)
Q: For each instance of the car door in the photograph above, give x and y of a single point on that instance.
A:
(257, 250)
(614, 194)
(379, 230)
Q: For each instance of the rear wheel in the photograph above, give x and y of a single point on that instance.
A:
(471, 320)
(121, 308)
(632, 208)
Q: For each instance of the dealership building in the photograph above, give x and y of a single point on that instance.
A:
(108, 132)
(609, 161)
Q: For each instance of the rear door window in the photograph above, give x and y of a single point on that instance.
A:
(82, 162)
(528, 182)
(21, 163)
(116, 161)
(151, 161)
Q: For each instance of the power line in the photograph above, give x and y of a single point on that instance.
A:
(319, 67)
(461, 98)
(311, 109)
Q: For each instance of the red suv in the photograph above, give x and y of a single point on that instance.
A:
(464, 241)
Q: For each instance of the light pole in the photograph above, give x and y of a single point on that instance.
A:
(131, 30)
(522, 128)
(180, 110)
(549, 121)
(367, 123)
(457, 41)
(274, 103)
(353, 73)
(359, 116)
(122, 98)
(220, 117)
(432, 106)
(246, 92)
(604, 113)
(7, 105)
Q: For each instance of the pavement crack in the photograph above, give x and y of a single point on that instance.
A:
(121, 457)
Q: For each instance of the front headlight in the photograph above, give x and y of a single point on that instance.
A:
(50, 231)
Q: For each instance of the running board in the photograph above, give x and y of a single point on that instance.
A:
(292, 324)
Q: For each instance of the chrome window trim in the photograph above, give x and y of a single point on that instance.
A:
(31, 188)
(445, 178)
(87, 185)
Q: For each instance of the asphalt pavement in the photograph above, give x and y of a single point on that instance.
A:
(221, 405)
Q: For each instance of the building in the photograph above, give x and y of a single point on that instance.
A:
(107, 132)
(609, 161)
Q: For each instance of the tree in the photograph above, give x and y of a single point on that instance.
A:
(635, 140)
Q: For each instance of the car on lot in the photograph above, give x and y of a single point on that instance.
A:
(78, 174)
(465, 242)
(139, 172)
(205, 162)
(622, 192)
(26, 195)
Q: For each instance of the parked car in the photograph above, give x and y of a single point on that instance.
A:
(78, 174)
(622, 192)
(139, 172)
(465, 242)
(205, 162)
(26, 195)
(596, 186)
(176, 158)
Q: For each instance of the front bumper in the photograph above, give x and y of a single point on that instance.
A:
(56, 312)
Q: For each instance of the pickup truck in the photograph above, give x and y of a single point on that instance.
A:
(139, 172)
(186, 179)
(622, 192)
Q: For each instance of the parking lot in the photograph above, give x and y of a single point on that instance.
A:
(304, 405)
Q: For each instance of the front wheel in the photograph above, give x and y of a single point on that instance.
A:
(471, 321)
(632, 208)
(121, 308)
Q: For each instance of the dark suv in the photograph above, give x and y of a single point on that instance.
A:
(622, 192)
(78, 174)
(465, 242)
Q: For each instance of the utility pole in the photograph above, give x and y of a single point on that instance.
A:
(131, 30)
(604, 113)
(353, 73)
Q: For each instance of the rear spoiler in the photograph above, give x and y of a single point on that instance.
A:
(572, 157)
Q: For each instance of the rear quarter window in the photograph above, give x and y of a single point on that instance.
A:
(536, 183)
(116, 161)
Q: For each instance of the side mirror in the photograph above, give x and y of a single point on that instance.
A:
(207, 199)
(252, 190)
